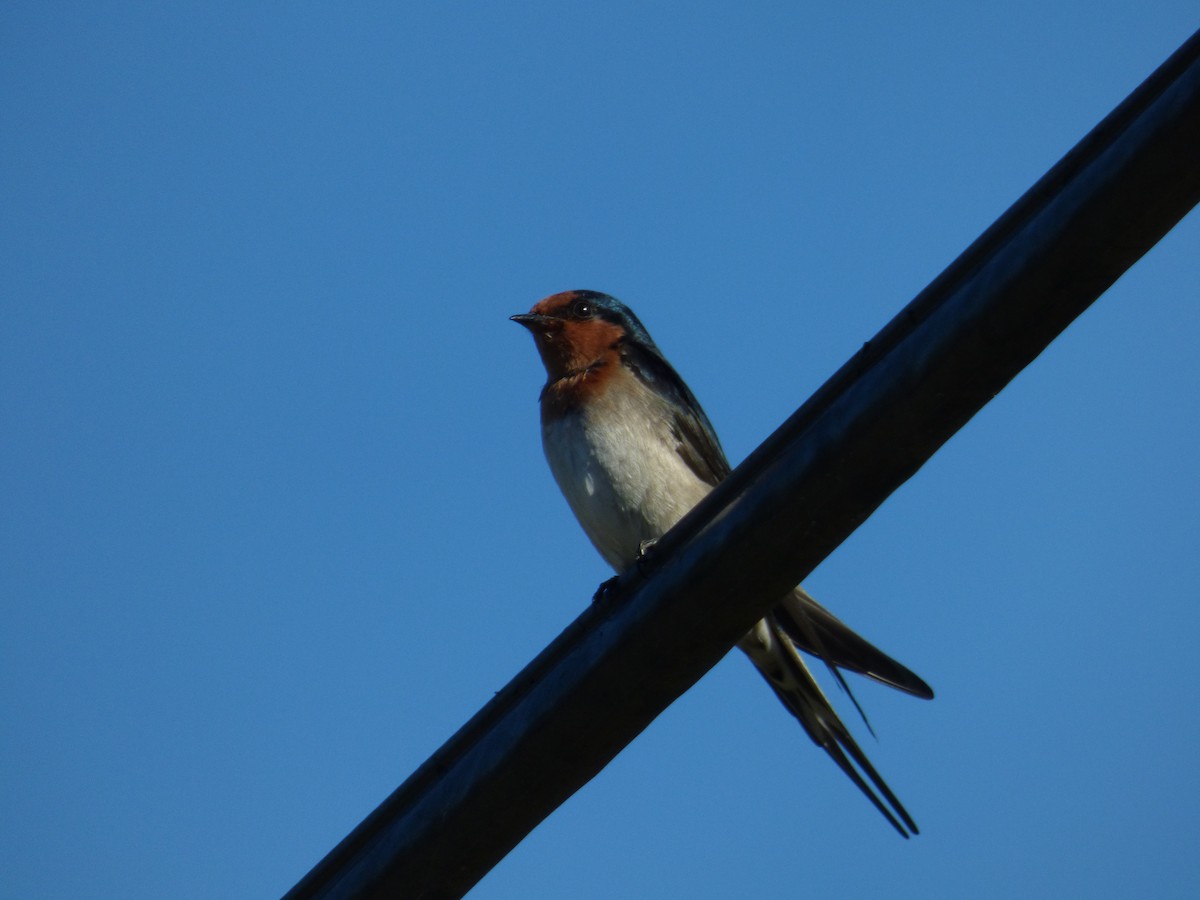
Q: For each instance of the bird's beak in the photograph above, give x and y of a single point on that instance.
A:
(534, 322)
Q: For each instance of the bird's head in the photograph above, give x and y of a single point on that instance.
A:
(579, 330)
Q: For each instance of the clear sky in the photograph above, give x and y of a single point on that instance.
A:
(274, 515)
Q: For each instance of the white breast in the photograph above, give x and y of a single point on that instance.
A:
(615, 462)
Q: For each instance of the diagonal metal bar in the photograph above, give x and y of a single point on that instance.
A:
(806, 489)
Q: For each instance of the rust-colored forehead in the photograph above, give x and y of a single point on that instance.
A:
(555, 303)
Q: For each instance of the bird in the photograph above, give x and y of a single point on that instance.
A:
(632, 451)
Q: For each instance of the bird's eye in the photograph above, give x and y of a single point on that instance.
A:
(582, 309)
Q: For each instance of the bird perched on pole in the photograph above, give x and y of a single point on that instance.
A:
(632, 452)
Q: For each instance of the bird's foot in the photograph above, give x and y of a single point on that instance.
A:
(608, 591)
(645, 558)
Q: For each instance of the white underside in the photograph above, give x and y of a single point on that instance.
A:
(616, 464)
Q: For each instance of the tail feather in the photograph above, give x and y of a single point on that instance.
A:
(801, 630)
(816, 630)
(770, 646)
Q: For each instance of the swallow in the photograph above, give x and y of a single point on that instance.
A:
(632, 451)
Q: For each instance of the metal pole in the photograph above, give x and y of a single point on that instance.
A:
(866, 431)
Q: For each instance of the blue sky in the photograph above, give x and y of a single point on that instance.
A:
(274, 515)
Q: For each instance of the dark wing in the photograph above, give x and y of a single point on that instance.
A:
(816, 630)
(811, 626)
(695, 440)
(799, 621)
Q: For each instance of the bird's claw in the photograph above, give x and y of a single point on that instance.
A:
(645, 559)
(607, 591)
